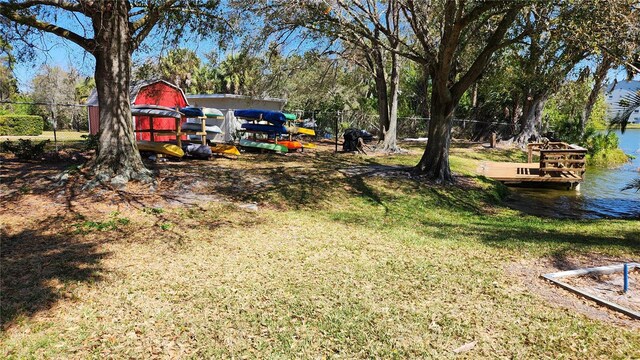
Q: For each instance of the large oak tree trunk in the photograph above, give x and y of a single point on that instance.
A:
(117, 159)
(435, 160)
(390, 137)
(531, 120)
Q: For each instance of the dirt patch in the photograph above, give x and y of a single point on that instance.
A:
(610, 287)
(529, 273)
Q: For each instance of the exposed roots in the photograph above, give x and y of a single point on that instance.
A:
(117, 175)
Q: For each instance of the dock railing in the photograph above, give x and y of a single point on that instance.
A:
(559, 157)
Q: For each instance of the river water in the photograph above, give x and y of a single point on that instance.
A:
(600, 194)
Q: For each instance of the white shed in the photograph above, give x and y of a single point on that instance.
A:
(229, 102)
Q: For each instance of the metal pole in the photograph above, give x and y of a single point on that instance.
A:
(339, 113)
(626, 277)
(55, 125)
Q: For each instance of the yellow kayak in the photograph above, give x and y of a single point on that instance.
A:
(300, 130)
(225, 149)
(309, 146)
(160, 148)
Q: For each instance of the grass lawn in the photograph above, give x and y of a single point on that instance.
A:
(63, 136)
(344, 258)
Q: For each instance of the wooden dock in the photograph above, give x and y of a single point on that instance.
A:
(559, 163)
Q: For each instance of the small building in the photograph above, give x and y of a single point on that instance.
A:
(153, 92)
(229, 102)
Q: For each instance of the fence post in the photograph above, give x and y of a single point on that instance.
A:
(338, 114)
(54, 122)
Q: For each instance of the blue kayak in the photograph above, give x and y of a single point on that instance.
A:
(274, 117)
(264, 128)
(192, 112)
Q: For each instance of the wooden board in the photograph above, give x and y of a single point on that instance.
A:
(523, 172)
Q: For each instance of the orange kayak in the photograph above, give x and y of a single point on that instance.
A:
(291, 145)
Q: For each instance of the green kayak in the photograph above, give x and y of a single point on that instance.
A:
(290, 116)
(264, 146)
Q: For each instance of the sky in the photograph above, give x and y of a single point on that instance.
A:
(54, 51)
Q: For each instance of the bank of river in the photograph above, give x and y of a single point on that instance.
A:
(600, 194)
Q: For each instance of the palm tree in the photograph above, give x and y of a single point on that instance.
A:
(626, 106)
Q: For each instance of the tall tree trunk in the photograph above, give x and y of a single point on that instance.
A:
(390, 136)
(117, 159)
(531, 120)
(435, 160)
(598, 78)
(423, 93)
(381, 92)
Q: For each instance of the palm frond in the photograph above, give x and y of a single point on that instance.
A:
(625, 107)
(635, 184)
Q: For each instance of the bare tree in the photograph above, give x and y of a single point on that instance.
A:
(369, 32)
(111, 31)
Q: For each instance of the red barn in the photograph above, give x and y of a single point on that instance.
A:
(156, 92)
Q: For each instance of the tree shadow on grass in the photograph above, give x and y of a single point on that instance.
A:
(556, 237)
(39, 269)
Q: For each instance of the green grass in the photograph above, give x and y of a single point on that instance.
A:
(63, 136)
(330, 266)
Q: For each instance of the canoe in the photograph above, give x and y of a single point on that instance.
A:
(212, 113)
(300, 130)
(156, 107)
(264, 128)
(290, 116)
(309, 146)
(154, 112)
(274, 117)
(291, 145)
(160, 148)
(192, 112)
(224, 149)
(263, 145)
(211, 129)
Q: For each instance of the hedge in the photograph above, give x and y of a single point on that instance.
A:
(21, 125)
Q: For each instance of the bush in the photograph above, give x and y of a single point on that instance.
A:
(607, 158)
(24, 149)
(90, 142)
(30, 125)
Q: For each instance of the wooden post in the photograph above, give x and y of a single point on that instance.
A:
(178, 133)
(493, 140)
(151, 134)
(204, 130)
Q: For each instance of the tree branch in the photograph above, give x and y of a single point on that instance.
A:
(8, 11)
(494, 43)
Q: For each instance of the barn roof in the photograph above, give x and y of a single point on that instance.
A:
(135, 88)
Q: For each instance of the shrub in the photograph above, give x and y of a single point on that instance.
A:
(30, 125)
(90, 142)
(24, 149)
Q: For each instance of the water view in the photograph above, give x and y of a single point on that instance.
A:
(600, 194)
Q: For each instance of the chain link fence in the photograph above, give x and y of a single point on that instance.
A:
(328, 124)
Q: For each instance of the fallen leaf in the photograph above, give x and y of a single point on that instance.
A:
(465, 347)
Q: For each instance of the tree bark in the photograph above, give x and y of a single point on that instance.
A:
(390, 136)
(117, 159)
(381, 92)
(598, 78)
(531, 120)
(435, 160)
